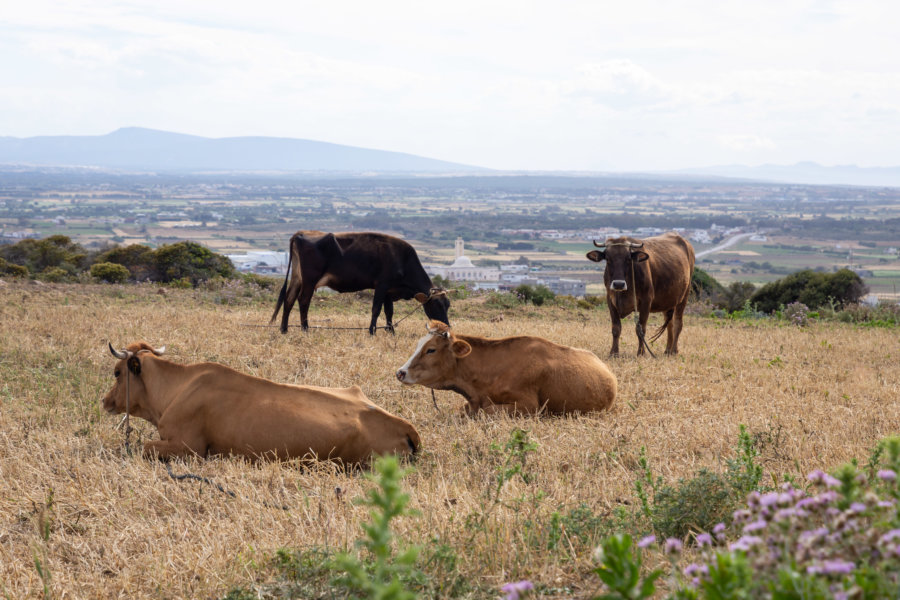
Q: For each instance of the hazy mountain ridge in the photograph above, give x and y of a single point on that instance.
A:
(148, 149)
(806, 173)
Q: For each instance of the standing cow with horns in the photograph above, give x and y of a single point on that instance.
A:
(650, 275)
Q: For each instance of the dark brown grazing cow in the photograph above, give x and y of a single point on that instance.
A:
(350, 262)
(522, 374)
(657, 272)
(208, 408)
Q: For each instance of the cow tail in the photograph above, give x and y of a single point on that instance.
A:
(283, 293)
(661, 329)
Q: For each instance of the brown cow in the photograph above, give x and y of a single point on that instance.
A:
(522, 374)
(208, 408)
(657, 273)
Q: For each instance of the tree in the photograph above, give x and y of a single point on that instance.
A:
(191, 261)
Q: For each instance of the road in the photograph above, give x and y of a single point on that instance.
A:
(726, 244)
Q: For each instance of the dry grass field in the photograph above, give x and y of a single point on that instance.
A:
(80, 518)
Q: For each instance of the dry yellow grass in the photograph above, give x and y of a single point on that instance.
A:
(118, 527)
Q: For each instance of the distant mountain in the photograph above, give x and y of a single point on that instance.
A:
(135, 148)
(807, 173)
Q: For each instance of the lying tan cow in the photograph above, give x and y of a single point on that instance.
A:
(208, 408)
(522, 374)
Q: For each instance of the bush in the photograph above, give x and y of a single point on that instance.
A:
(137, 258)
(735, 295)
(12, 270)
(704, 285)
(815, 290)
(53, 275)
(110, 272)
(189, 261)
(41, 255)
(537, 294)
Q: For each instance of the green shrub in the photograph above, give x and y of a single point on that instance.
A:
(40, 255)
(704, 285)
(11, 270)
(189, 261)
(110, 272)
(537, 294)
(734, 296)
(813, 289)
(53, 275)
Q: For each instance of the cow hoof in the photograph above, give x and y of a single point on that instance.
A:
(390, 329)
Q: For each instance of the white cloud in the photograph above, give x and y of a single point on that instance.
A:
(527, 84)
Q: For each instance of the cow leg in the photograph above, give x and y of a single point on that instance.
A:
(640, 329)
(306, 294)
(293, 290)
(616, 328)
(389, 314)
(377, 302)
(166, 449)
(677, 322)
(670, 329)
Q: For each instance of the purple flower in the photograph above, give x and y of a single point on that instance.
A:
(513, 590)
(755, 526)
(704, 539)
(886, 503)
(770, 499)
(646, 541)
(745, 543)
(831, 481)
(694, 568)
(673, 546)
(856, 508)
(741, 515)
(887, 474)
(719, 528)
(816, 476)
(832, 567)
(893, 534)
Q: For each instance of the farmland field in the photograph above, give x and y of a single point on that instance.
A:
(80, 518)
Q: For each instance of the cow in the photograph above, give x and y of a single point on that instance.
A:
(518, 375)
(654, 273)
(350, 262)
(207, 408)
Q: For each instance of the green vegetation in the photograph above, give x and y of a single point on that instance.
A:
(839, 538)
(812, 289)
(57, 259)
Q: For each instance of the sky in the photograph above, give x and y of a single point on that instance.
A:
(566, 85)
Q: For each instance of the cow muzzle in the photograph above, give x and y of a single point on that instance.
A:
(401, 375)
(618, 285)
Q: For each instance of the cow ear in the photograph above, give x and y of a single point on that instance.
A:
(422, 298)
(134, 365)
(596, 255)
(640, 256)
(461, 349)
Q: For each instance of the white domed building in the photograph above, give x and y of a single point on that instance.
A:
(463, 269)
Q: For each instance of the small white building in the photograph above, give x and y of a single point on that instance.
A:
(463, 269)
(260, 261)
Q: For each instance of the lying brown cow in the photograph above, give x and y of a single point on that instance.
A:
(208, 408)
(522, 374)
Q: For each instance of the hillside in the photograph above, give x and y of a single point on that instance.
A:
(99, 522)
(141, 149)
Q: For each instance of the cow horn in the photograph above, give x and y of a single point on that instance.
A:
(120, 354)
(160, 351)
(603, 245)
(636, 245)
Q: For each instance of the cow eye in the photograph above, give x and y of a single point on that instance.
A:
(429, 351)
(118, 372)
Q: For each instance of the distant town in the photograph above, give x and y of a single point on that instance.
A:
(489, 232)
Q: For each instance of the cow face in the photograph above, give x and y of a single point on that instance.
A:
(620, 255)
(436, 305)
(434, 361)
(128, 383)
